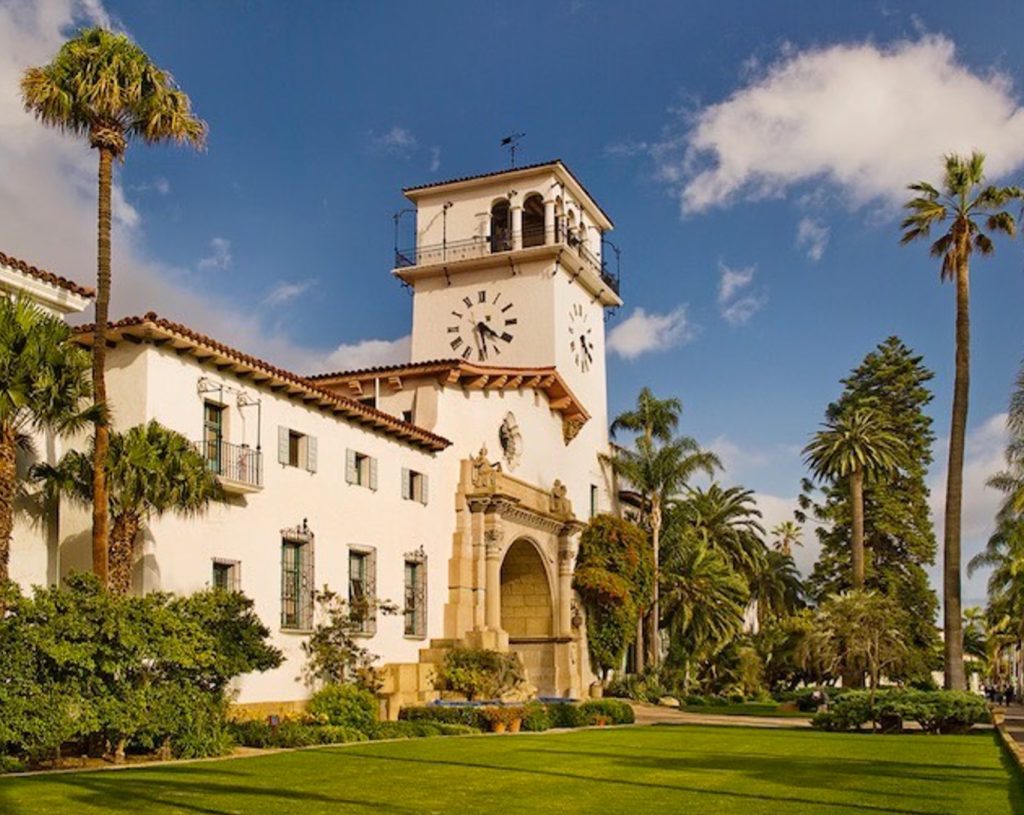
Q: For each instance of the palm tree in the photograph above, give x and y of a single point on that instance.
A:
(776, 587)
(855, 443)
(786, 535)
(103, 86)
(44, 385)
(964, 201)
(727, 520)
(705, 600)
(152, 471)
(652, 418)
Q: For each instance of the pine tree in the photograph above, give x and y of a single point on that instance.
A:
(899, 536)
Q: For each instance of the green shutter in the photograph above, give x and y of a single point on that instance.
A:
(373, 474)
(311, 453)
(282, 444)
(350, 467)
(405, 483)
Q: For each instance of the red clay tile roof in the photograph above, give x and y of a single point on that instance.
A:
(151, 326)
(45, 276)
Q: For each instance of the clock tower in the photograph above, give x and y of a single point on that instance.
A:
(507, 273)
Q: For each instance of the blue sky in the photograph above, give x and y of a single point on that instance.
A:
(752, 156)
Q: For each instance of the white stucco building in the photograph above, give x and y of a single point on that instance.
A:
(454, 485)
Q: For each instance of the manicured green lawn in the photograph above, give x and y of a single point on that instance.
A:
(632, 770)
(747, 709)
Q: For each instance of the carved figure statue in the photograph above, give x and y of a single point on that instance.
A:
(484, 472)
(560, 503)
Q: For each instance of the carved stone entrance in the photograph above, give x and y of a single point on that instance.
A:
(527, 613)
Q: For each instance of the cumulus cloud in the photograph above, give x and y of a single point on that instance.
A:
(777, 508)
(641, 332)
(812, 238)
(983, 457)
(736, 304)
(287, 290)
(435, 159)
(219, 256)
(864, 117)
(396, 141)
(369, 354)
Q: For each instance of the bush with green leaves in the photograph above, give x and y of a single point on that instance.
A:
(446, 714)
(345, 706)
(941, 711)
(535, 717)
(86, 666)
(479, 673)
(612, 711)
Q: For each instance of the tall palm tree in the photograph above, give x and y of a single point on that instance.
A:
(659, 472)
(152, 471)
(963, 202)
(44, 386)
(786, 535)
(727, 520)
(652, 418)
(855, 443)
(102, 86)
(776, 587)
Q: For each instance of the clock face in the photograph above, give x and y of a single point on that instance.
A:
(581, 344)
(483, 324)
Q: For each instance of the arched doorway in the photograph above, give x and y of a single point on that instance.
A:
(527, 613)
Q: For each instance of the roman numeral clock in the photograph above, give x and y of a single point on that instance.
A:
(482, 325)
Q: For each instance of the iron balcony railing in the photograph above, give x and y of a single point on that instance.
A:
(233, 462)
(483, 245)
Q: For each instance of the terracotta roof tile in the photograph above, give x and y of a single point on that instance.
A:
(354, 410)
(45, 276)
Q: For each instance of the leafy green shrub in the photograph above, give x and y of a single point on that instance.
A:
(407, 730)
(566, 714)
(535, 717)
(344, 706)
(695, 701)
(338, 734)
(10, 764)
(252, 733)
(935, 711)
(294, 733)
(457, 730)
(613, 711)
(443, 714)
(479, 673)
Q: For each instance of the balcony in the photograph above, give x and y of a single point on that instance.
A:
(238, 467)
(483, 246)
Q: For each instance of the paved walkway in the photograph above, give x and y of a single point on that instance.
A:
(655, 714)
(1015, 722)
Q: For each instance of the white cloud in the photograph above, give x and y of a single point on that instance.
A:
(287, 290)
(734, 307)
(867, 118)
(774, 510)
(812, 238)
(983, 457)
(642, 332)
(397, 141)
(737, 460)
(435, 159)
(49, 179)
(219, 256)
(369, 354)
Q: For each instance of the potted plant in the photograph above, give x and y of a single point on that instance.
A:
(502, 719)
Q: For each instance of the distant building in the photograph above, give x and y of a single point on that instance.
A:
(455, 485)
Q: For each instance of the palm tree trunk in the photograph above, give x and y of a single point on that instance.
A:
(857, 531)
(638, 646)
(952, 623)
(8, 487)
(122, 552)
(654, 641)
(100, 509)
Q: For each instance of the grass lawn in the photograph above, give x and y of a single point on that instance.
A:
(636, 770)
(747, 709)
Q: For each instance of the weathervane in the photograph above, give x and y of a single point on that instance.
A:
(512, 142)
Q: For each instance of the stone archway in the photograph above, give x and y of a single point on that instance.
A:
(528, 613)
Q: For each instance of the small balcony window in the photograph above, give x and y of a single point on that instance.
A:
(360, 469)
(227, 575)
(414, 486)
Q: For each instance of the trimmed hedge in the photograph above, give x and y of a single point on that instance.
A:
(537, 716)
(344, 705)
(442, 714)
(935, 711)
(613, 711)
(292, 733)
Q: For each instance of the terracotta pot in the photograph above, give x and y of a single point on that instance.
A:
(514, 725)
(497, 727)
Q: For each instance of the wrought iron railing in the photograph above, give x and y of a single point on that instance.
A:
(235, 462)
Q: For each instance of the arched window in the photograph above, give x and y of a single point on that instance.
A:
(533, 220)
(501, 226)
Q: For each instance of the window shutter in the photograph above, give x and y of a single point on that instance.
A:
(423, 488)
(350, 467)
(311, 453)
(371, 590)
(405, 483)
(373, 474)
(282, 444)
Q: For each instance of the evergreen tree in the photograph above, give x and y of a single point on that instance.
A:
(897, 521)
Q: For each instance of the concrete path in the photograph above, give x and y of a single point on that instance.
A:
(655, 714)
(1015, 722)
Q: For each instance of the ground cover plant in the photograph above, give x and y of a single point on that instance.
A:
(650, 769)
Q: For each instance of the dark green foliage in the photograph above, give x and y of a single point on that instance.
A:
(935, 711)
(612, 711)
(87, 666)
(252, 732)
(899, 537)
(479, 673)
(535, 717)
(566, 714)
(292, 732)
(442, 714)
(614, 577)
(345, 706)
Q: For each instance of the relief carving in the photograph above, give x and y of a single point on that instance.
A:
(560, 503)
(485, 474)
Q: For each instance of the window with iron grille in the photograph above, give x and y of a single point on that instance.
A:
(297, 580)
(362, 589)
(227, 575)
(416, 594)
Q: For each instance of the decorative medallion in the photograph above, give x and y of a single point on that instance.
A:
(511, 441)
